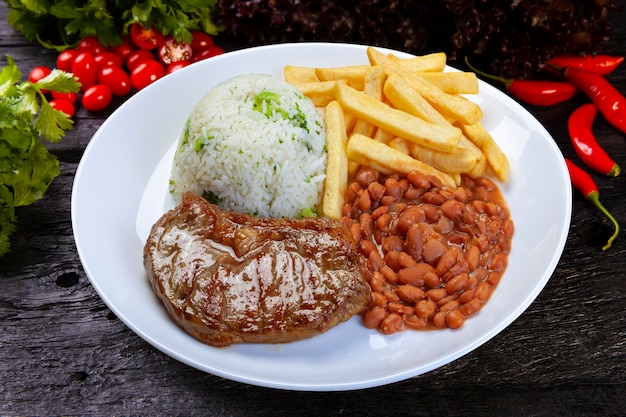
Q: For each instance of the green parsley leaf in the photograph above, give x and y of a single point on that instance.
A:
(26, 167)
(59, 24)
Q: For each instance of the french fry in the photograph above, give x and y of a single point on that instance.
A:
(336, 182)
(480, 167)
(386, 160)
(401, 145)
(299, 75)
(456, 82)
(350, 119)
(319, 92)
(455, 106)
(443, 138)
(495, 157)
(459, 161)
(383, 136)
(354, 75)
(400, 93)
(435, 62)
(373, 83)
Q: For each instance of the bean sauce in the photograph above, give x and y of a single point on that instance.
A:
(433, 255)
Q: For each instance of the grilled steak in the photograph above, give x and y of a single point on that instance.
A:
(230, 278)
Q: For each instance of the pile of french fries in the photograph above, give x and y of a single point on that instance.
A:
(398, 115)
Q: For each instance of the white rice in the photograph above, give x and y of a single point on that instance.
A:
(268, 162)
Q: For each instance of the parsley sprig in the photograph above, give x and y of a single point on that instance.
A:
(26, 117)
(58, 24)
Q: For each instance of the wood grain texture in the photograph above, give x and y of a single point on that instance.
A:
(63, 352)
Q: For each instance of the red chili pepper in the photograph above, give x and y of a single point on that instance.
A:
(541, 93)
(585, 143)
(600, 64)
(535, 92)
(585, 184)
(610, 102)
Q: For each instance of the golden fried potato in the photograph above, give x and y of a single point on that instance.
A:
(459, 161)
(495, 157)
(443, 138)
(336, 182)
(383, 136)
(403, 97)
(454, 106)
(455, 82)
(319, 92)
(386, 160)
(401, 145)
(373, 81)
(354, 75)
(435, 62)
(299, 75)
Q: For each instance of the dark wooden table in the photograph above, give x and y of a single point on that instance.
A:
(63, 352)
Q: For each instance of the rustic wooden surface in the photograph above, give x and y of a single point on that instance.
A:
(63, 352)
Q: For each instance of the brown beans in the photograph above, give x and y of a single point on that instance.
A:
(471, 307)
(434, 254)
(473, 257)
(448, 260)
(433, 250)
(452, 209)
(418, 180)
(483, 292)
(391, 324)
(457, 284)
(392, 188)
(365, 176)
(353, 190)
(367, 247)
(425, 308)
(414, 242)
(382, 223)
(392, 244)
(412, 215)
(431, 280)
(363, 200)
(433, 198)
(373, 317)
(454, 319)
(410, 293)
(415, 274)
(374, 261)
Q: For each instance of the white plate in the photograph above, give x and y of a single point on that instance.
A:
(121, 189)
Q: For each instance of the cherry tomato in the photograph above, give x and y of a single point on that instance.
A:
(200, 40)
(97, 97)
(107, 58)
(90, 44)
(175, 66)
(64, 106)
(207, 53)
(146, 73)
(37, 74)
(172, 51)
(124, 49)
(145, 39)
(116, 79)
(137, 57)
(65, 59)
(71, 97)
(84, 68)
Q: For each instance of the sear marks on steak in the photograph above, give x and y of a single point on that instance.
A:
(230, 278)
